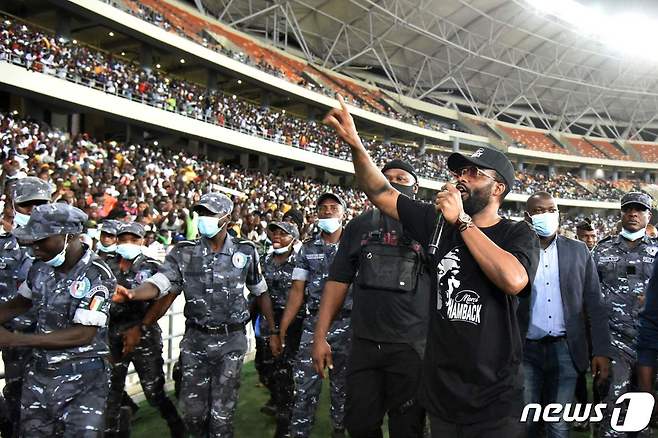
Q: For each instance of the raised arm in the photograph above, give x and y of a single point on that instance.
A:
(368, 176)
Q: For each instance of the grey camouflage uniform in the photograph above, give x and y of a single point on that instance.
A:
(279, 281)
(216, 310)
(147, 356)
(312, 265)
(624, 273)
(65, 390)
(15, 262)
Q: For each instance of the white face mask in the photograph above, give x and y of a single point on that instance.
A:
(329, 225)
(546, 224)
(283, 249)
(633, 235)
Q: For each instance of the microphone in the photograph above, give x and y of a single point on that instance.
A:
(438, 230)
(436, 236)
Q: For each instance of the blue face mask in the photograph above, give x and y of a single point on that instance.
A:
(106, 249)
(129, 251)
(633, 235)
(329, 225)
(59, 259)
(546, 224)
(20, 219)
(209, 226)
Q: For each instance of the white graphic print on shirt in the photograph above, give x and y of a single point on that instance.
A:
(461, 305)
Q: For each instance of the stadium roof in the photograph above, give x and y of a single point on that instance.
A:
(492, 55)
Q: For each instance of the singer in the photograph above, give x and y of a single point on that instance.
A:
(472, 382)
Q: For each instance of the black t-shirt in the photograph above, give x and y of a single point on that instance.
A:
(472, 367)
(381, 315)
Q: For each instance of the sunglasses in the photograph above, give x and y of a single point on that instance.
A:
(471, 172)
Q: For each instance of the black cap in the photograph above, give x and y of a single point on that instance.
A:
(400, 164)
(287, 228)
(333, 196)
(485, 158)
(637, 198)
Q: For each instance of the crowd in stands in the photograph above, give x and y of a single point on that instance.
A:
(157, 186)
(159, 19)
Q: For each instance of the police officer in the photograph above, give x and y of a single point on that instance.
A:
(624, 264)
(15, 262)
(278, 266)
(212, 272)
(389, 318)
(107, 241)
(67, 380)
(309, 277)
(131, 341)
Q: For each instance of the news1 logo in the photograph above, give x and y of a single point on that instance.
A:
(638, 415)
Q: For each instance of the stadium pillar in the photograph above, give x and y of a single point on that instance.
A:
(265, 100)
(75, 124)
(146, 57)
(212, 79)
(244, 160)
(615, 175)
(520, 166)
(583, 172)
(387, 137)
(63, 26)
(551, 170)
(423, 145)
(312, 113)
(455, 144)
(263, 163)
(647, 176)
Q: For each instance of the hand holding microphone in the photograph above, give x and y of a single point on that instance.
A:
(448, 202)
(448, 206)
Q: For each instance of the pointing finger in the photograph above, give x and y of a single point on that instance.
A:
(342, 103)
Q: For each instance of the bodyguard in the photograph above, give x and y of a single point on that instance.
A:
(212, 273)
(68, 286)
(386, 269)
(565, 297)
(15, 262)
(624, 263)
(309, 277)
(126, 328)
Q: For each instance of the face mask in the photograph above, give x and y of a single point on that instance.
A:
(633, 236)
(405, 190)
(20, 219)
(283, 249)
(106, 249)
(329, 225)
(546, 224)
(129, 250)
(209, 226)
(59, 259)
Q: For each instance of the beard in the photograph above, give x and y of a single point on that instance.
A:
(477, 199)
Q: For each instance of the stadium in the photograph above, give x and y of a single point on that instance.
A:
(133, 109)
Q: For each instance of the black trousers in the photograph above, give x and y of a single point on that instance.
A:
(383, 379)
(509, 427)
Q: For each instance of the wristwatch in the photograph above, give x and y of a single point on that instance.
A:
(464, 221)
